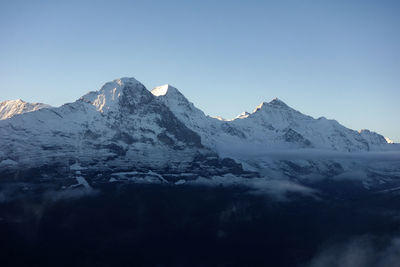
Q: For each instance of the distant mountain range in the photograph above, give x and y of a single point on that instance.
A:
(124, 132)
(11, 108)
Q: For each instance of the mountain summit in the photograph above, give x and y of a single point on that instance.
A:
(114, 94)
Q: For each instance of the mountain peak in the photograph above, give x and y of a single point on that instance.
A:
(14, 101)
(372, 137)
(243, 115)
(124, 80)
(117, 85)
(108, 97)
(164, 90)
(277, 102)
(11, 108)
(170, 94)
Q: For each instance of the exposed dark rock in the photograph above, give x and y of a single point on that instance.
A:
(291, 136)
(232, 131)
(164, 138)
(177, 128)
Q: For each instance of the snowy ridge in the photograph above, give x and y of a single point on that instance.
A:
(125, 128)
(388, 140)
(120, 127)
(278, 141)
(243, 115)
(11, 108)
(271, 126)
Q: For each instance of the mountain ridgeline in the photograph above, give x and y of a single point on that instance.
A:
(124, 131)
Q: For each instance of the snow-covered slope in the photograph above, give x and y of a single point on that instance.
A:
(275, 125)
(271, 126)
(120, 127)
(278, 141)
(127, 131)
(11, 108)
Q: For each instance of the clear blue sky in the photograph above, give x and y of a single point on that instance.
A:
(338, 59)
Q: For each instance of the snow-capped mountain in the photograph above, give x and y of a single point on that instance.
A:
(278, 141)
(11, 108)
(120, 127)
(271, 126)
(124, 130)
